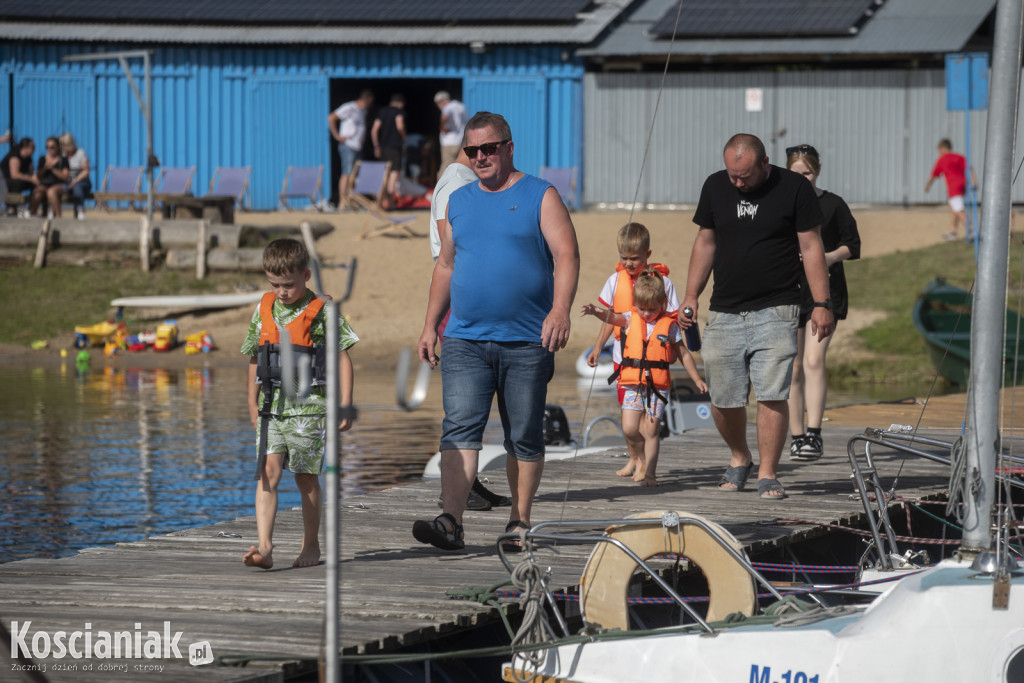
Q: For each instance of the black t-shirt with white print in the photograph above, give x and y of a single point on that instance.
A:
(757, 253)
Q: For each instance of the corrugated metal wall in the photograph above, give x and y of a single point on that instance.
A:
(267, 108)
(876, 131)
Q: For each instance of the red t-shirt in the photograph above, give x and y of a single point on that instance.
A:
(952, 166)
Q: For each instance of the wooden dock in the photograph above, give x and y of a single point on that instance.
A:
(393, 588)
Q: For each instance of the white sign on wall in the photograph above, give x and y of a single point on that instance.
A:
(755, 99)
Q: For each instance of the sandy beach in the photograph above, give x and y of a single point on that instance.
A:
(389, 295)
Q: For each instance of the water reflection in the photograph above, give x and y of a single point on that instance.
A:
(117, 454)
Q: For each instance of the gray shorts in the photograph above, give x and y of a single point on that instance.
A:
(751, 349)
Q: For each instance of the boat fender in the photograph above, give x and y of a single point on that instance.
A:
(606, 578)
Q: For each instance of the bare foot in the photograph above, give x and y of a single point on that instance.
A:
(254, 558)
(649, 481)
(308, 557)
(626, 471)
(639, 476)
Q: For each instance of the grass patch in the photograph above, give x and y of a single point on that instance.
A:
(892, 283)
(46, 302)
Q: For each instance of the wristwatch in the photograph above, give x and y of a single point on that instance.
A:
(827, 303)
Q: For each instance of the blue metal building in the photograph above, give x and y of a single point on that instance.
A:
(258, 93)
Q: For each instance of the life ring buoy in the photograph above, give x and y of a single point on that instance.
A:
(605, 581)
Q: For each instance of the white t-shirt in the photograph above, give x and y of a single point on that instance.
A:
(455, 176)
(75, 163)
(456, 113)
(353, 124)
(608, 296)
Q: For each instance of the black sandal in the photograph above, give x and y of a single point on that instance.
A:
(442, 532)
(515, 546)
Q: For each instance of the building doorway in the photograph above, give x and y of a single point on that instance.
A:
(422, 119)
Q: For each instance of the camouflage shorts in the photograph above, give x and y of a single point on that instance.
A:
(301, 439)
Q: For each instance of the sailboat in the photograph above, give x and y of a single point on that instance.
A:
(959, 620)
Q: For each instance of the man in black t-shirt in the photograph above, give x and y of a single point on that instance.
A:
(759, 225)
(388, 136)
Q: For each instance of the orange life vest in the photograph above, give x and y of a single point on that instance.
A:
(268, 357)
(623, 299)
(646, 360)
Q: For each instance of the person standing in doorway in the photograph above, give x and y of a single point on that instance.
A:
(509, 239)
(953, 167)
(453, 126)
(388, 135)
(347, 124)
(759, 229)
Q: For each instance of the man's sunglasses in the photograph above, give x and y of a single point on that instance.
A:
(488, 148)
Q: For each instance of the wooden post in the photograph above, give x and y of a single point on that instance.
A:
(144, 243)
(201, 251)
(44, 237)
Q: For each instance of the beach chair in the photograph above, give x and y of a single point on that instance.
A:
(301, 182)
(564, 181)
(174, 181)
(231, 181)
(120, 184)
(369, 180)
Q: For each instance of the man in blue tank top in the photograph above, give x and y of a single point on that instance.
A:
(508, 270)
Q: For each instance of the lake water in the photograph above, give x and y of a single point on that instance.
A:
(117, 454)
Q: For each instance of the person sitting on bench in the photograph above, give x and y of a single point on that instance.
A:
(17, 169)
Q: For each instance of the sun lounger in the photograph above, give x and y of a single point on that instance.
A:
(301, 182)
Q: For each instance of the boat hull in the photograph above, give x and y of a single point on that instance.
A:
(936, 625)
(942, 316)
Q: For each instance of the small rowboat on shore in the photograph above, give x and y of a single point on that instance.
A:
(942, 316)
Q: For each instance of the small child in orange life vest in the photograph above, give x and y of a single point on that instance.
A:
(653, 341)
(634, 245)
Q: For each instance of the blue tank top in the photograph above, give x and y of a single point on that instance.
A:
(502, 285)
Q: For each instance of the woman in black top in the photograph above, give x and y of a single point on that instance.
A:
(16, 167)
(52, 174)
(842, 242)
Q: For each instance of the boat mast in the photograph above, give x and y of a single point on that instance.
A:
(989, 311)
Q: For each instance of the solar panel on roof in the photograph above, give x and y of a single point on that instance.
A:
(725, 18)
(302, 11)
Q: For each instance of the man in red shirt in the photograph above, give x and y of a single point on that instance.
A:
(954, 168)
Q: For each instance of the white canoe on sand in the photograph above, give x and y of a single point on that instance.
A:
(190, 301)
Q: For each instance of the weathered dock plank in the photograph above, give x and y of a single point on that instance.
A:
(393, 589)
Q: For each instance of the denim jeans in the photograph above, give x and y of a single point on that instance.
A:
(753, 348)
(473, 372)
(79, 191)
(348, 158)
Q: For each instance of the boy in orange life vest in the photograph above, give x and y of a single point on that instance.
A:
(653, 341)
(291, 432)
(634, 243)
